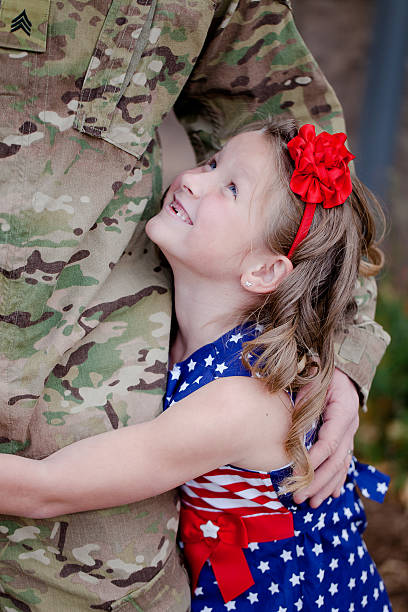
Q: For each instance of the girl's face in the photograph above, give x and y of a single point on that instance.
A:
(212, 215)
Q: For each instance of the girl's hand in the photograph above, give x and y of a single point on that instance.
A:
(330, 455)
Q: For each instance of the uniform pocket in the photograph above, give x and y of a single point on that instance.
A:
(140, 65)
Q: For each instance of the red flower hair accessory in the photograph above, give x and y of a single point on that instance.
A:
(321, 174)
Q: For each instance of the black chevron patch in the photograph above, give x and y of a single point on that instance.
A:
(21, 22)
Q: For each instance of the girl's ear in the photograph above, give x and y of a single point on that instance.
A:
(263, 271)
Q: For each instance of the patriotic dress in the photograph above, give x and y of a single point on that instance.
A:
(248, 546)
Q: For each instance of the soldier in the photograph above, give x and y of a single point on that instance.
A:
(85, 301)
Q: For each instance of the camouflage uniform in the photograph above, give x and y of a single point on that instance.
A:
(85, 302)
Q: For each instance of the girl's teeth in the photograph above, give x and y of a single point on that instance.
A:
(180, 213)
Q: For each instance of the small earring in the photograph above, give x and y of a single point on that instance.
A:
(248, 284)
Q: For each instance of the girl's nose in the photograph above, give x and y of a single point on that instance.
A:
(190, 183)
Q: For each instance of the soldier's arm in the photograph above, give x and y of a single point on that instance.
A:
(360, 347)
(254, 64)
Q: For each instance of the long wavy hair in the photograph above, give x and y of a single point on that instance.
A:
(301, 317)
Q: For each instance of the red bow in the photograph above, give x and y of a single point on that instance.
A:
(221, 539)
(321, 173)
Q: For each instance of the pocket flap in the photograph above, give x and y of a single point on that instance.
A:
(140, 65)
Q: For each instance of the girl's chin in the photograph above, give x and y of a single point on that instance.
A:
(150, 227)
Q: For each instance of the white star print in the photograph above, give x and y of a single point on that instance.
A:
(351, 558)
(236, 337)
(371, 468)
(208, 360)
(230, 605)
(206, 609)
(334, 564)
(371, 569)
(365, 492)
(348, 513)
(302, 575)
(308, 517)
(253, 546)
(333, 588)
(352, 583)
(191, 365)
(351, 608)
(364, 601)
(221, 367)
(376, 594)
(353, 527)
(363, 577)
(294, 580)
(209, 530)
(320, 601)
(381, 585)
(198, 591)
(282, 609)
(183, 386)
(274, 588)
(382, 487)
(335, 517)
(264, 566)
(320, 575)
(175, 373)
(259, 328)
(299, 551)
(299, 604)
(317, 549)
(320, 523)
(345, 535)
(197, 380)
(286, 555)
(360, 552)
(336, 541)
(253, 597)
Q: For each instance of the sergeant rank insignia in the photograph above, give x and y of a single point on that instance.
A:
(21, 22)
(24, 25)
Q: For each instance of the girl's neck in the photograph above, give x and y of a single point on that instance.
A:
(205, 310)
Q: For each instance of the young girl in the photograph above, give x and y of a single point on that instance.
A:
(265, 242)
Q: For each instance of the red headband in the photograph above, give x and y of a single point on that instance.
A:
(321, 174)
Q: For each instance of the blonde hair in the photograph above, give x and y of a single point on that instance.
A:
(301, 316)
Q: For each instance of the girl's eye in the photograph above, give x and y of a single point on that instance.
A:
(212, 164)
(233, 188)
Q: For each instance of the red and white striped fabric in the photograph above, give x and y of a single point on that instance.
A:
(232, 490)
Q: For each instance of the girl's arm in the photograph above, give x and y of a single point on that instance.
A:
(227, 421)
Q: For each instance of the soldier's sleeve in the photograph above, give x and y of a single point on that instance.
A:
(255, 64)
(360, 347)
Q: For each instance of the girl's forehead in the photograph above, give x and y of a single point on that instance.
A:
(250, 150)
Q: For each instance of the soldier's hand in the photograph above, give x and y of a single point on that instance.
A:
(331, 454)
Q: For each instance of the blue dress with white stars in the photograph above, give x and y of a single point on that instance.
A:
(249, 547)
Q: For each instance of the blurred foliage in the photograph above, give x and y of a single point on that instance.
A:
(383, 433)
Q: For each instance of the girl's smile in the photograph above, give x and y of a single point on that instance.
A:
(175, 208)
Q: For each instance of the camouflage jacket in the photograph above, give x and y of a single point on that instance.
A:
(85, 303)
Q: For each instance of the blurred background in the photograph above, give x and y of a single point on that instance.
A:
(362, 47)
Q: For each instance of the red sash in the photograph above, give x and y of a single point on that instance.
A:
(220, 538)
